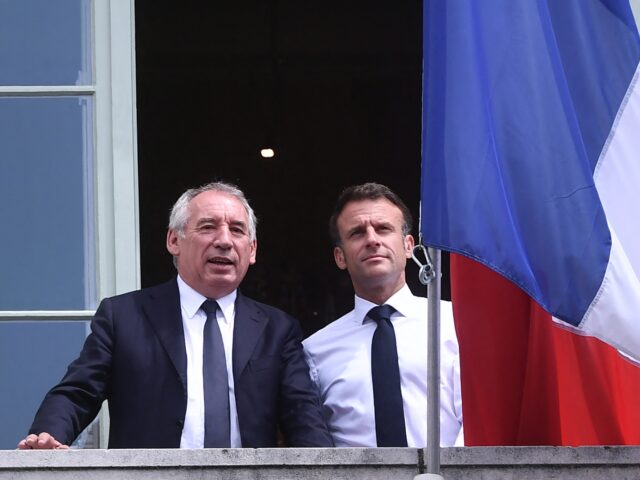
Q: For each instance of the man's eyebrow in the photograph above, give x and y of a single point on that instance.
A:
(206, 220)
(382, 223)
(214, 220)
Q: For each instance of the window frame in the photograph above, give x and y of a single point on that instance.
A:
(116, 266)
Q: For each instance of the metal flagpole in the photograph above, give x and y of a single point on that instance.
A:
(430, 274)
(433, 368)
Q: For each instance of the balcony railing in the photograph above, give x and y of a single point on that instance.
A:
(469, 463)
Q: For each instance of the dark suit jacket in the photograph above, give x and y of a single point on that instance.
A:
(135, 357)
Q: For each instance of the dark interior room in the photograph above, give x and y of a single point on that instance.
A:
(334, 88)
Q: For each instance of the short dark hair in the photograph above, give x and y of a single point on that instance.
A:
(367, 191)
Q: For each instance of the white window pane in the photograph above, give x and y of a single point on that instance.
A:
(33, 358)
(46, 204)
(45, 42)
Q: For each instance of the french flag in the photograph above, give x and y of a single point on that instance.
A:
(531, 167)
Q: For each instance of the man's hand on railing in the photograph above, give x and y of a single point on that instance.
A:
(41, 442)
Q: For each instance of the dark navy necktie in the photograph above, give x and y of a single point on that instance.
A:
(215, 382)
(387, 396)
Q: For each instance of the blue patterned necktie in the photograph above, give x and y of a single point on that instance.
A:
(385, 374)
(215, 381)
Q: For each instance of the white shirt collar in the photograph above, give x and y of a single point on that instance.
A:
(191, 301)
(402, 301)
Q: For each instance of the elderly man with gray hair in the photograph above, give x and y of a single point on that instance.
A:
(191, 363)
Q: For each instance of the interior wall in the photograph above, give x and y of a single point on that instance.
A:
(336, 86)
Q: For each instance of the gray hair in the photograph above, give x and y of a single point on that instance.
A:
(180, 211)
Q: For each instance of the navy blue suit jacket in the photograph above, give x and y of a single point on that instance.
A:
(135, 357)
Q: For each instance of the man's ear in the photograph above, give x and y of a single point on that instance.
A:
(409, 243)
(253, 252)
(173, 243)
(338, 256)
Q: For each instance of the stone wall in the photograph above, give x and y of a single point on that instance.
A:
(511, 463)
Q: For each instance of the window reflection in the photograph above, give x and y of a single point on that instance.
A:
(44, 42)
(46, 203)
(33, 356)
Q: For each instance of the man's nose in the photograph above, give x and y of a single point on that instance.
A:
(222, 238)
(372, 237)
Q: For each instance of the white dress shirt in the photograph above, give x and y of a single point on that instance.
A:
(193, 320)
(339, 358)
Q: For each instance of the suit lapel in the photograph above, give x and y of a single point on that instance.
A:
(249, 324)
(162, 309)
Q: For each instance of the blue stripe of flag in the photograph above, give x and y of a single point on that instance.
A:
(519, 98)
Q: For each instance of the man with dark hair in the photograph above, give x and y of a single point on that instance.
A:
(191, 363)
(370, 365)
